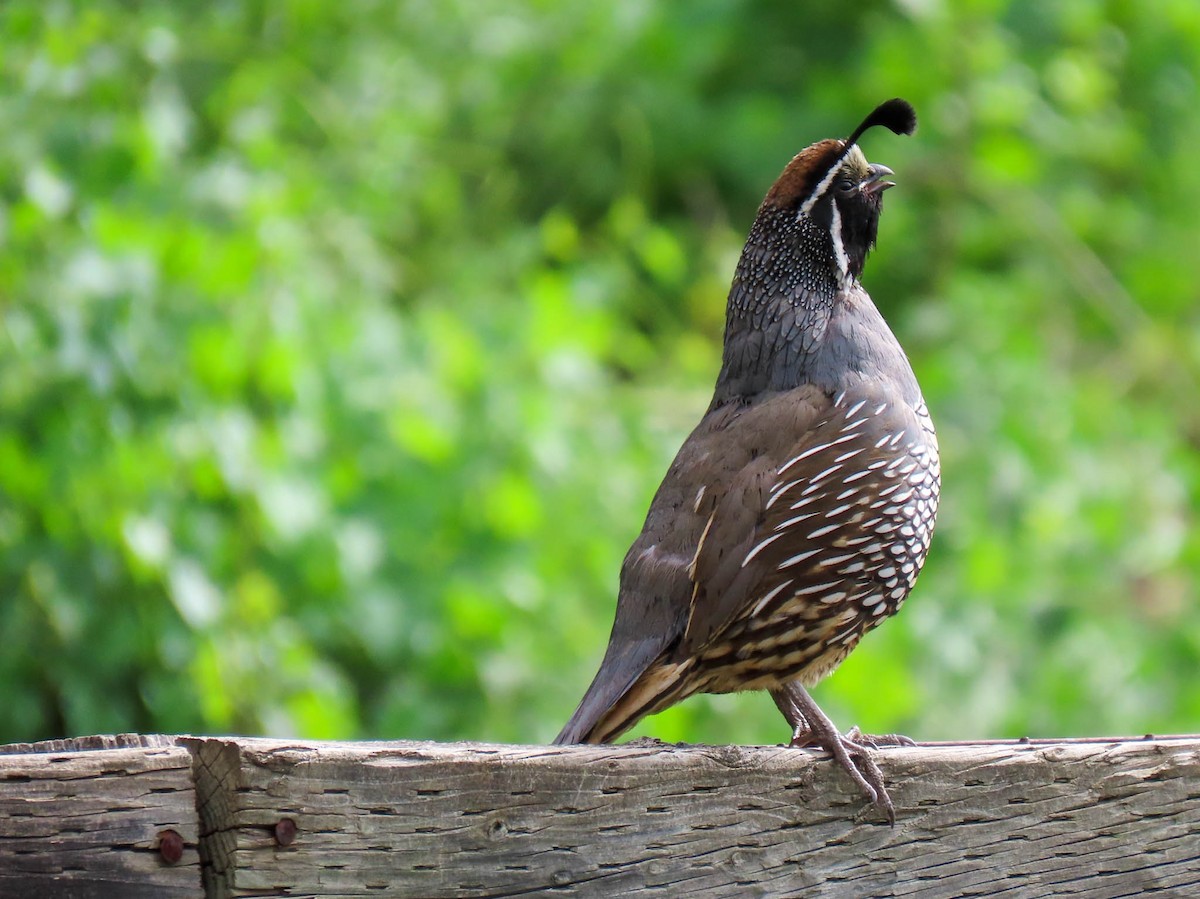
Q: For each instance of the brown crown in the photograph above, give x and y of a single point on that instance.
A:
(803, 173)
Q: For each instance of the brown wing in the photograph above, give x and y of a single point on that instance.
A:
(816, 543)
(657, 588)
(747, 541)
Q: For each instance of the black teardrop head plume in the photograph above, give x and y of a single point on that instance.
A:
(896, 115)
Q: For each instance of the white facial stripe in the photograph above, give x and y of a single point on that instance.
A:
(819, 191)
(857, 160)
(839, 250)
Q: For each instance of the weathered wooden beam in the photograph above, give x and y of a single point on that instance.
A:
(290, 818)
(98, 817)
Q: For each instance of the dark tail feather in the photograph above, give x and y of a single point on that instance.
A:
(620, 696)
(623, 664)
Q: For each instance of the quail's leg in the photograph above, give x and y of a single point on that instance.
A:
(812, 727)
(801, 732)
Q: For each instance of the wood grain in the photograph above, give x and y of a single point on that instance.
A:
(1088, 818)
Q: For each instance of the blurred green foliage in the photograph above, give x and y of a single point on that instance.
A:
(343, 345)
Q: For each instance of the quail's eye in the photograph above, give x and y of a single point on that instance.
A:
(845, 184)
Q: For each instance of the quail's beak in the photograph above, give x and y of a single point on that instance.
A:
(875, 183)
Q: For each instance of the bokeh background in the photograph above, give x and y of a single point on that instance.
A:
(342, 346)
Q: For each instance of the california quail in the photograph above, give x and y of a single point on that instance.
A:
(798, 513)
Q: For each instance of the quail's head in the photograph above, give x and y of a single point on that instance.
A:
(832, 184)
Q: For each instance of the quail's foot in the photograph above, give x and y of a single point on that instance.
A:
(812, 727)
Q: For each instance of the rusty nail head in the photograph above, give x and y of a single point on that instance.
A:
(170, 846)
(285, 831)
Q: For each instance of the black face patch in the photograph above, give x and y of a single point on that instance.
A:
(842, 209)
(859, 214)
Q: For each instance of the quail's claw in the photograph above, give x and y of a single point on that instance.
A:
(855, 761)
(878, 741)
(802, 736)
